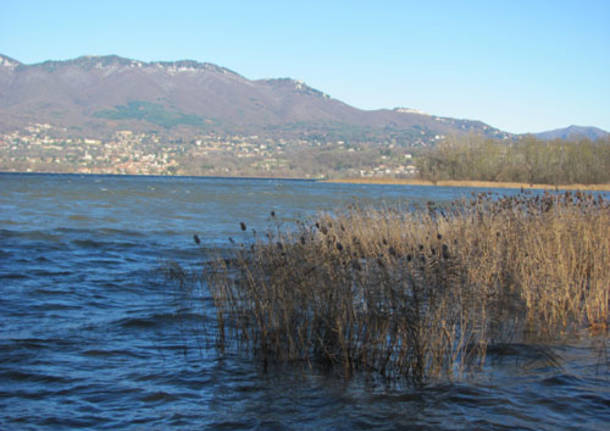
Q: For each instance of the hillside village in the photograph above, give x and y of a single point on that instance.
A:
(43, 147)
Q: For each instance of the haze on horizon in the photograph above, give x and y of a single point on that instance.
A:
(519, 66)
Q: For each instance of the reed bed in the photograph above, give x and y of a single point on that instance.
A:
(417, 294)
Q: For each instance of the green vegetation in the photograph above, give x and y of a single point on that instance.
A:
(151, 112)
(528, 160)
(417, 294)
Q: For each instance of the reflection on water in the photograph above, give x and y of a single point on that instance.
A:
(94, 336)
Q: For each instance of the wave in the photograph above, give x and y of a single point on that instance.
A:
(29, 376)
(32, 235)
(102, 353)
(159, 320)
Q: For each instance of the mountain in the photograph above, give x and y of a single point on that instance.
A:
(574, 132)
(98, 95)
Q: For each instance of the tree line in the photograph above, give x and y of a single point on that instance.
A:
(527, 160)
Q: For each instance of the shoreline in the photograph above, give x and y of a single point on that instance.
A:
(375, 181)
(93, 174)
(469, 183)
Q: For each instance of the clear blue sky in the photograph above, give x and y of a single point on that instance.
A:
(522, 66)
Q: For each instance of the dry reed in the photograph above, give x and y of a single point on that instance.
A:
(418, 294)
(470, 183)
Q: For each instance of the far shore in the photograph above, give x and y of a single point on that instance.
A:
(387, 181)
(482, 184)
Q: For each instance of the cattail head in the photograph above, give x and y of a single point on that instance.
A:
(445, 251)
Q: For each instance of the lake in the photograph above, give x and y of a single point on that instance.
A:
(93, 335)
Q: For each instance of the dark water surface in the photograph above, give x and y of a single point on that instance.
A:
(92, 335)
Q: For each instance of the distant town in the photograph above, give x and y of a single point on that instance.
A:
(43, 147)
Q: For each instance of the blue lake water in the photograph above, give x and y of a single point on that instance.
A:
(93, 335)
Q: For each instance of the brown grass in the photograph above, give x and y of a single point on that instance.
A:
(464, 183)
(418, 294)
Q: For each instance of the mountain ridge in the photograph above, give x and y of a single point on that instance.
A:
(94, 94)
(100, 94)
(573, 132)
